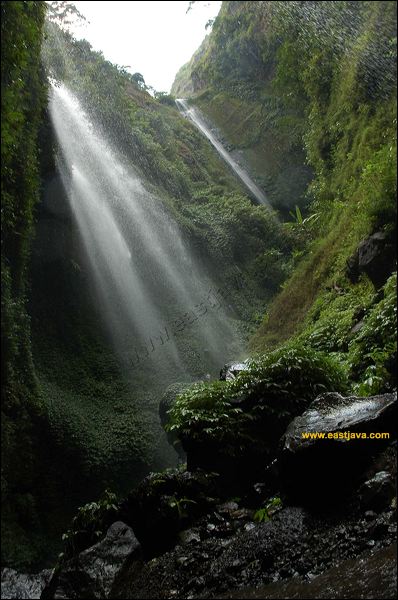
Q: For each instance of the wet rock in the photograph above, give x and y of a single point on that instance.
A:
(370, 515)
(189, 536)
(227, 507)
(378, 492)
(373, 575)
(23, 585)
(312, 468)
(94, 572)
(375, 256)
(231, 370)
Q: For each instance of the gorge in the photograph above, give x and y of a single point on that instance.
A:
(187, 279)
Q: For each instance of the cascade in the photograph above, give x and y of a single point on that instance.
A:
(158, 302)
(197, 119)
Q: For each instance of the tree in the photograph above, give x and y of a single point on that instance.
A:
(139, 80)
(64, 14)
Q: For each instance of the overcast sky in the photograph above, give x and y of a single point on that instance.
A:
(153, 38)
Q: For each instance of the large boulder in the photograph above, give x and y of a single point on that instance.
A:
(375, 256)
(327, 466)
(94, 572)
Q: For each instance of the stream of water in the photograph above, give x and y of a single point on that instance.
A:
(195, 116)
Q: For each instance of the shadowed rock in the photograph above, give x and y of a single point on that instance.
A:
(94, 572)
(231, 370)
(375, 256)
(378, 491)
(23, 585)
(313, 467)
(371, 576)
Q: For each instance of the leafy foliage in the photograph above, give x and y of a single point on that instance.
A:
(263, 514)
(373, 352)
(89, 525)
(180, 504)
(276, 384)
(23, 101)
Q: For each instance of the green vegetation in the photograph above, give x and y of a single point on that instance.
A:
(23, 102)
(89, 525)
(334, 100)
(315, 120)
(273, 505)
(67, 400)
(373, 352)
(276, 385)
(281, 86)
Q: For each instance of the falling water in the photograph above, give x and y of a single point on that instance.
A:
(194, 115)
(157, 301)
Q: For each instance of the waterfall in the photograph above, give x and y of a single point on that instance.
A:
(158, 303)
(194, 115)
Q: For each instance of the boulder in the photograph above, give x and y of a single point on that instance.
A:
(94, 572)
(311, 468)
(377, 493)
(23, 585)
(232, 369)
(375, 256)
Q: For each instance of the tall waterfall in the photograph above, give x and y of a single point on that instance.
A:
(194, 115)
(157, 301)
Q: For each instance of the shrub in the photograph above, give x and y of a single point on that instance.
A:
(89, 525)
(372, 353)
(276, 387)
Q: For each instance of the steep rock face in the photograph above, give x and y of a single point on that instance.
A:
(94, 572)
(314, 467)
(23, 104)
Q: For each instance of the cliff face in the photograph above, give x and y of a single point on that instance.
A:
(305, 93)
(23, 423)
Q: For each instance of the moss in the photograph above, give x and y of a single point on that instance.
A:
(23, 417)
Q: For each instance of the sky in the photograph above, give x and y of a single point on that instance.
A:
(154, 38)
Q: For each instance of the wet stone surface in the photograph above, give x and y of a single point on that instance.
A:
(293, 544)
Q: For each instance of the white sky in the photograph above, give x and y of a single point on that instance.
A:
(155, 37)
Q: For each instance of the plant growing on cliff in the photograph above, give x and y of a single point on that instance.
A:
(373, 352)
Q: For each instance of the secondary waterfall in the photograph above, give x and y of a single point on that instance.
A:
(157, 301)
(194, 115)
